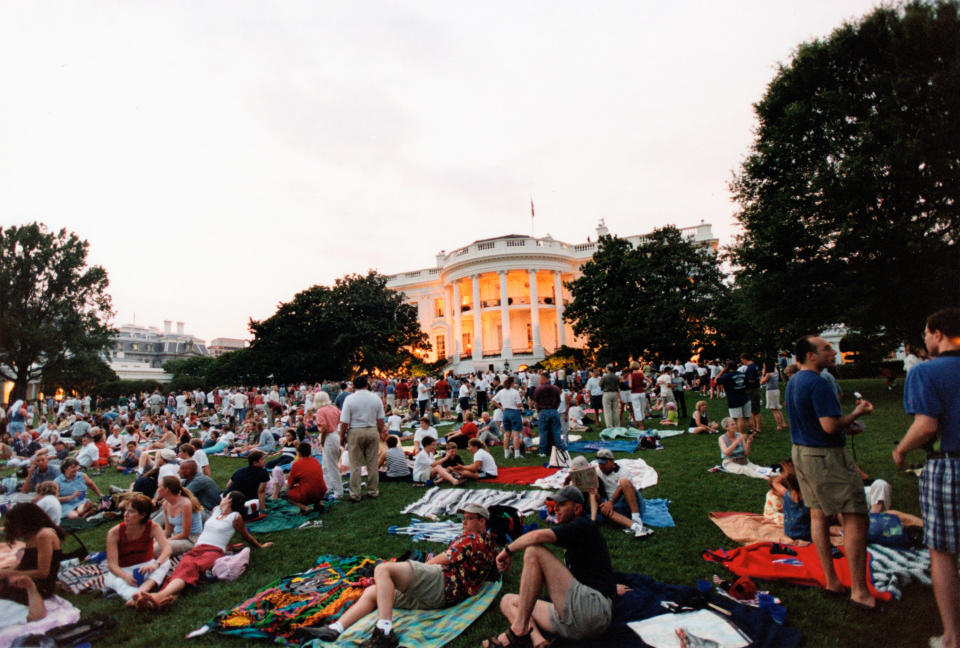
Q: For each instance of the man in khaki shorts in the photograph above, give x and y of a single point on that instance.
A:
(829, 480)
(444, 580)
(361, 431)
(581, 592)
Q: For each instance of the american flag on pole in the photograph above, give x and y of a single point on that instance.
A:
(531, 207)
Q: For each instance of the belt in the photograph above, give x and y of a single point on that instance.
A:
(943, 455)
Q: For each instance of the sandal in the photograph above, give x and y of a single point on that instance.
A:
(513, 641)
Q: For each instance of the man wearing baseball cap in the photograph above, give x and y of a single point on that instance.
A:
(581, 591)
(620, 498)
(444, 580)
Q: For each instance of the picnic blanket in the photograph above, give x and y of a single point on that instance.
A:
(644, 599)
(593, 446)
(634, 433)
(448, 501)
(765, 471)
(89, 576)
(893, 568)
(795, 564)
(59, 613)
(749, 528)
(641, 474)
(82, 524)
(423, 628)
(316, 596)
(441, 532)
(282, 515)
(520, 474)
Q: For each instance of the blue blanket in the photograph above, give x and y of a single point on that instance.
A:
(656, 513)
(643, 602)
(593, 446)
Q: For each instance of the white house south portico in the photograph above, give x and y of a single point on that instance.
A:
(501, 299)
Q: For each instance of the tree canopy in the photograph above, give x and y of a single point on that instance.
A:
(848, 198)
(357, 325)
(54, 309)
(653, 299)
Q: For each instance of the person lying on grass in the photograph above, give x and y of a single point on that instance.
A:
(444, 580)
(211, 545)
(132, 562)
(426, 468)
(483, 466)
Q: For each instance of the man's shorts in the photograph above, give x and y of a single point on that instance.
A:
(446, 403)
(744, 411)
(940, 504)
(596, 403)
(754, 400)
(586, 613)
(425, 591)
(829, 480)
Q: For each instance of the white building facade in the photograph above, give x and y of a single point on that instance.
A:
(501, 300)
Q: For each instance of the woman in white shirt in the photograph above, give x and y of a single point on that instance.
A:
(48, 499)
(509, 401)
(217, 532)
(425, 467)
(425, 430)
(483, 466)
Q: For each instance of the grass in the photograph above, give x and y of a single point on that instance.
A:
(670, 555)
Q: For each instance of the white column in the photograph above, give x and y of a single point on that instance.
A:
(477, 328)
(457, 324)
(558, 302)
(535, 313)
(506, 349)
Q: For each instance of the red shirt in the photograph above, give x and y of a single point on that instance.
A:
(133, 552)
(403, 390)
(306, 479)
(104, 453)
(442, 388)
(469, 429)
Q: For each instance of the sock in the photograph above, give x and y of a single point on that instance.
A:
(636, 518)
(336, 625)
(386, 625)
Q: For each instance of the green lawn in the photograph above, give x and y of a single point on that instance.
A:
(670, 555)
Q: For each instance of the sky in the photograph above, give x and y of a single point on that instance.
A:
(220, 157)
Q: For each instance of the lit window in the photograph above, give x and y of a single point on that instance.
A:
(467, 346)
(441, 347)
(438, 307)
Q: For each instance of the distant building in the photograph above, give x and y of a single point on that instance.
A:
(139, 351)
(501, 299)
(219, 346)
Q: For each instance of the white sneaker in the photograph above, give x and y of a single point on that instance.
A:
(640, 531)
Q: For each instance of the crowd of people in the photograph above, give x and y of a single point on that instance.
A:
(299, 442)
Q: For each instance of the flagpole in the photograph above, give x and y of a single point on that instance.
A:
(531, 216)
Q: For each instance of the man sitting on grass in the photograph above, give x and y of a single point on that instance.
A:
(581, 592)
(444, 580)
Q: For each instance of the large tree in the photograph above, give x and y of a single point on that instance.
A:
(356, 325)
(53, 306)
(653, 299)
(849, 197)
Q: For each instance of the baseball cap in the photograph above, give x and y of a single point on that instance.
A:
(579, 463)
(477, 509)
(168, 455)
(568, 494)
(605, 453)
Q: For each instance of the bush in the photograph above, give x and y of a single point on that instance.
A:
(111, 391)
(867, 369)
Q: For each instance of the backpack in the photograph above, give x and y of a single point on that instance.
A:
(559, 458)
(505, 523)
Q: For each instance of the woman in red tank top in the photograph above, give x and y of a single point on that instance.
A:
(138, 554)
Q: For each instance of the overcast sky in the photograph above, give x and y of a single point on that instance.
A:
(222, 156)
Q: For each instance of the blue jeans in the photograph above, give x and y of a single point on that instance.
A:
(550, 430)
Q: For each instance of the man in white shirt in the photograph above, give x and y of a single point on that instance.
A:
(596, 394)
(361, 430)
(89, 454)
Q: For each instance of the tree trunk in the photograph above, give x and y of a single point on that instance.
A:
(19, 388)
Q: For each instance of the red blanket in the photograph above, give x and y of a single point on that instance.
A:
(767, 561)
(520, 474)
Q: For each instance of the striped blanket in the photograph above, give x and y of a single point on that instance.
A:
(89, 577)
(893, 568)
(448, 501)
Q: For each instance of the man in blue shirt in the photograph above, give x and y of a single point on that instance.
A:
(829, 480)
(932, 394)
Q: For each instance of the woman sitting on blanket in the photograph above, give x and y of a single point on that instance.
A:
(182, 523)
(483, 466)
(137, 551)
(211, 545)
(735, 450)
(35, 576)
(700, 423)
(73, 486)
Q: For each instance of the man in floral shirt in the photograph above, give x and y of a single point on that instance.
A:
(446, 579)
